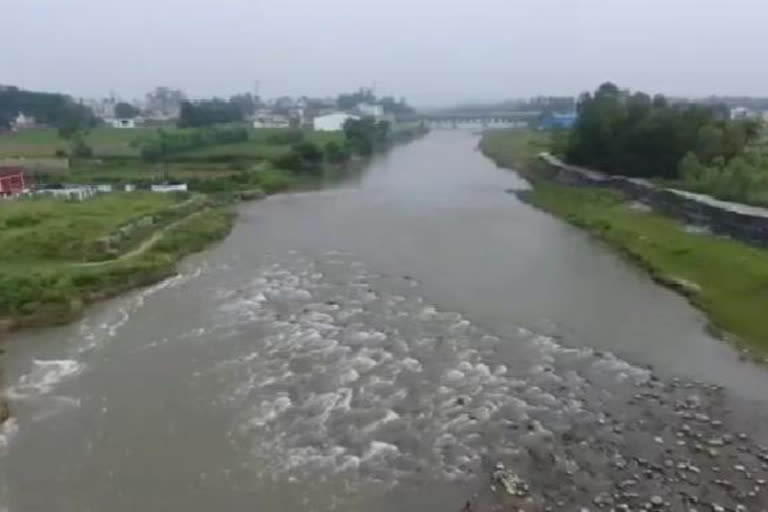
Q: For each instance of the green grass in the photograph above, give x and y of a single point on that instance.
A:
(249, 150)
(47, 229)
(258, 147)
(133, 172)
(517, 148)
(56, 293)
(44, 143)
(728, 280)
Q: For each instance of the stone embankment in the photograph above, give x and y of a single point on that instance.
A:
(742, 222)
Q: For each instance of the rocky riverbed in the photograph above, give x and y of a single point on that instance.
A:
(671, 446)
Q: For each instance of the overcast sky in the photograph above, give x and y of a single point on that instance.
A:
(431, 51)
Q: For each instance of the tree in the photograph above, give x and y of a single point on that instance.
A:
(335, 153)
(308, 151)
(78, 147)
(632, 134)
(125, 110)
(208, 112)
(246, 103)
(690, 168)
(709, 143)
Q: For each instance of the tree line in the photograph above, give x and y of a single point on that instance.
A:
(361, 137)
(162, 143)
(635, 134)
(57, 110)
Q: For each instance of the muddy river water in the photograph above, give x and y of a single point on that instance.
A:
(384, 345)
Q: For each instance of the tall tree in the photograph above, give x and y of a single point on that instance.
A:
(125, 110)
(632, 134)
(247, 103)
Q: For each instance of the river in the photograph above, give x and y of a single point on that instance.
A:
(380, 344)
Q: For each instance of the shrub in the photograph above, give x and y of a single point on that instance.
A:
(335, 152)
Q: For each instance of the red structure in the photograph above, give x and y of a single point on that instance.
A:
(11, 181)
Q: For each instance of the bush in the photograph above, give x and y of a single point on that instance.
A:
(290, 161)
(335, 152)
(165, 143)
(309, 153)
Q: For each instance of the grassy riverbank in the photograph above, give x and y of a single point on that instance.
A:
(728, 280)
(50, 271)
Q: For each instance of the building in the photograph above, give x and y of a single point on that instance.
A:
(332, 122)
(12, 181)
(102, 108)
(22, 122)
(180, 187)
(122, 123)
(271, 121)
(559, 121)
(742, 113)
(69, 192)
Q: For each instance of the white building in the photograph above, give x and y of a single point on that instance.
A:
(181, 187)
(332, 122)
(271, 121)
(122, 123)
(742, 113)
(22, 122)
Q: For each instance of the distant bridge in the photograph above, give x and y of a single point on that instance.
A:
(477, 120)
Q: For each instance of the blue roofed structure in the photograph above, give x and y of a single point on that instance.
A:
(559, 121)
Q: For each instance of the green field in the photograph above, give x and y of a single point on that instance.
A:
(728, 280)
(44, 143)
(249, 150)
(216, 168)
(50, 293)
(54, 257)
(258, 147)
(53, 230)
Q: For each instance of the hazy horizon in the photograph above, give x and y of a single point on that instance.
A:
(432, 52)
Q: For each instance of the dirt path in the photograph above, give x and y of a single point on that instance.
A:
(142, 247)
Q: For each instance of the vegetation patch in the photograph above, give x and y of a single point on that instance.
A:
(47, 229)
(55, 292)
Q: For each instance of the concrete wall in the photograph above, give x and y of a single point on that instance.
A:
(741, 222)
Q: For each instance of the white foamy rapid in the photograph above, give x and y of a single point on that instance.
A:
(343, 377)
(43, 377)
(100, 329)
(7, 431)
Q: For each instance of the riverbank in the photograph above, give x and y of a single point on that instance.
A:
(724, 278)
(50, 294)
